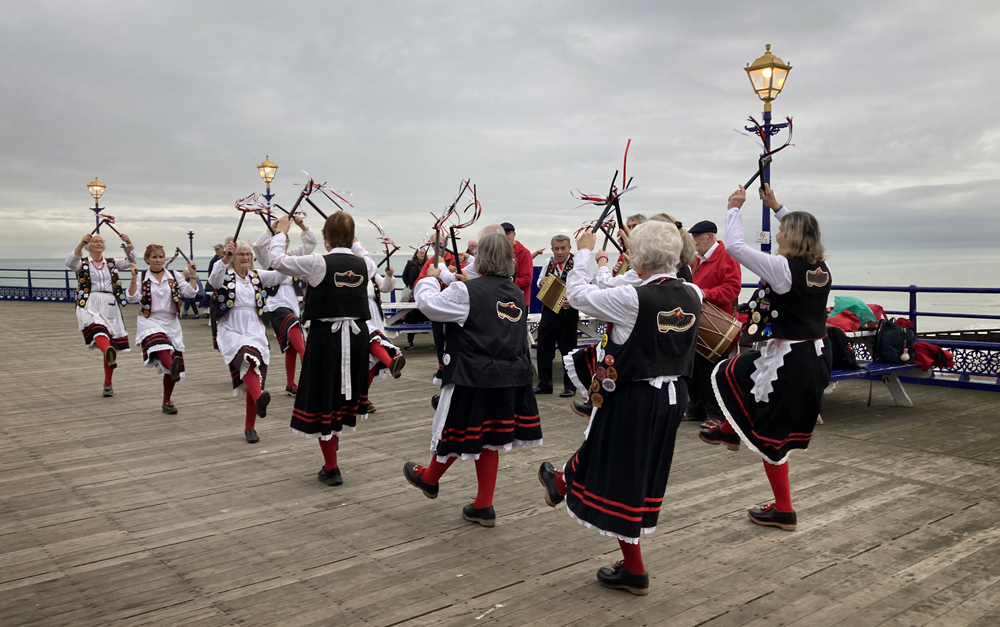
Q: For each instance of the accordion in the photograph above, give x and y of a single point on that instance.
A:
(552, 293)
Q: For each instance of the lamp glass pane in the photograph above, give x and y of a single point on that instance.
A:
(779, 79)
(758, 80)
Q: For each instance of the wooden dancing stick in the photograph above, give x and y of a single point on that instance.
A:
(607, 207)
(387, 257)
(313, 205)
(129, 255)
(265, 224)
(243, 215)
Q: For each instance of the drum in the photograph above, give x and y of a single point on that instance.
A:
(717, 331)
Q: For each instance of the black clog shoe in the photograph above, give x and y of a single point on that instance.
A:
(168, 408)
(262, 402)
(396, 366)
(484, 516)
(769, 516)
(330, 477)
(547, 477)
(109, 391)
(412, 474)
(714, 435)
(111, 357)
(175, 370)
(583, 409)
(251, 436)
(618, 578)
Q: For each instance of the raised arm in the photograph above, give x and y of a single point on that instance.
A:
(449, 305)
(773, 269)
(611, 305)
(311, 267)
(218, 273)
(308, 243)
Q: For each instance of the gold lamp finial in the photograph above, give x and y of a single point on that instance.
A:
(96, 188)
(767, 75)
(267, 169)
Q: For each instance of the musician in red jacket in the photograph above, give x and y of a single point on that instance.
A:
(523, 260)
(718, 275)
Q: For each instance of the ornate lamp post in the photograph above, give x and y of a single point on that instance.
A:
(767, 75)
(96, 189)
(191, 243)
(267, 169)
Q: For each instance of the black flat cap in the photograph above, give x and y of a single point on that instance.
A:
(705, 226)
(507, 226)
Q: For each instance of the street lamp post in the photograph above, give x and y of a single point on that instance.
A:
(267, 169)
(96, 189)
(191, 243)
(767, 75)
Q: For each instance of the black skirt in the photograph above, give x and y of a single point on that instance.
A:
(616, 480)
(785, 421)
(281, 320)
(236, 368)
(581, 366)
(321, 409)
(469, 419)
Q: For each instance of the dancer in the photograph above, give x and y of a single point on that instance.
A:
(282, 308)
(241, 293)
(99, 294)
(487, 404)
(771, 397)
(615, 481)
(385, 356)
(410, 273)
(158, 329)
(580, 363)
(333, 384)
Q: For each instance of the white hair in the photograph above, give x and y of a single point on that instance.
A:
(490, 228)
(242, 247)
(656, 247)
(495, 255)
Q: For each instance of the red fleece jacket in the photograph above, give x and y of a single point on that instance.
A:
(719, 278)
(522, 274)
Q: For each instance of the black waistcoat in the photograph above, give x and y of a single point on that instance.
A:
(663, 340)
(799, 314)
(343, 293)
(491, 349)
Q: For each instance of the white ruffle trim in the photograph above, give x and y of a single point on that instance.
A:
(571, 371)
(442, 459)
(611, 534)
(326, 438)
(153, 362)
(241, 389)
(736, 427)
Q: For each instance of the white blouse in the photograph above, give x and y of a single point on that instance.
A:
(161, 300)
(772, 268)
(100, 275)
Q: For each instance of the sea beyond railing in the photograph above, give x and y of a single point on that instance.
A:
(977, 352)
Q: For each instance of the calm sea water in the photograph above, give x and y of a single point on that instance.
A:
(974, 267)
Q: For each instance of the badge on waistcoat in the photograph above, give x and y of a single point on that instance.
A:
(347, 279)
(509, 311)
(674, 320)
(817, 278)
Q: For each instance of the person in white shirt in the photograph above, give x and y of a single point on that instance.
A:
(159, 293)
(99, 294)
(281, 310)
(241, 293)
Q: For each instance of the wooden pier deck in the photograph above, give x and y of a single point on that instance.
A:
(112, 513)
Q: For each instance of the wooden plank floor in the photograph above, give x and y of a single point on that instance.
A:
(112, 513)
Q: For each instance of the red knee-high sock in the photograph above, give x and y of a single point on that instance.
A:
(633, 557)
(778, 476)
(486, 475)
(725, 427)
(329, 448)
(371, 376)
(295, 341)
(168, 388)
(432, 473)
(252, 380)
(380, 353)
(290, 368)
(561, 482)
(103, 343)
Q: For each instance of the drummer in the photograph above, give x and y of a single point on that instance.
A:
(718, 275)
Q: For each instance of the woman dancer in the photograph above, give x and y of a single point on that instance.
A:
(99, 294)
(410, 273)
(385, 357)
(771, 397)
(616, 480)
(487, 404)
(158, 329)
(241, 293)
(282, 308)
(333, 385)
(580, 363)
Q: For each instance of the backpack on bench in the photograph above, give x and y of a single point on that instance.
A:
(894, 344)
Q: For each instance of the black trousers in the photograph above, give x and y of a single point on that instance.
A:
(437, 330)
(702, 402)
(555, 329)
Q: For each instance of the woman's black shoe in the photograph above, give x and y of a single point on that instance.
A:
(408, 346)
(396, 367)
(567, 393)
(618, 578)
(715, 435)
(109, 391)
(583, 409)
(540, 390)
(367, 408)
(411, 474)
(111, 357)
(770, 517)
(175, 370)
(330, 477)
(291, 390)
(262, 402)
(484, 516)
(434, 401)
(168, 408)
(251, 436)
(547, 477)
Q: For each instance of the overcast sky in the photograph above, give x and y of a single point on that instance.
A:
(173, 104)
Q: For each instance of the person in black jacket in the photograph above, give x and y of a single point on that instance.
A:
(410, 273)
(487, 404)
